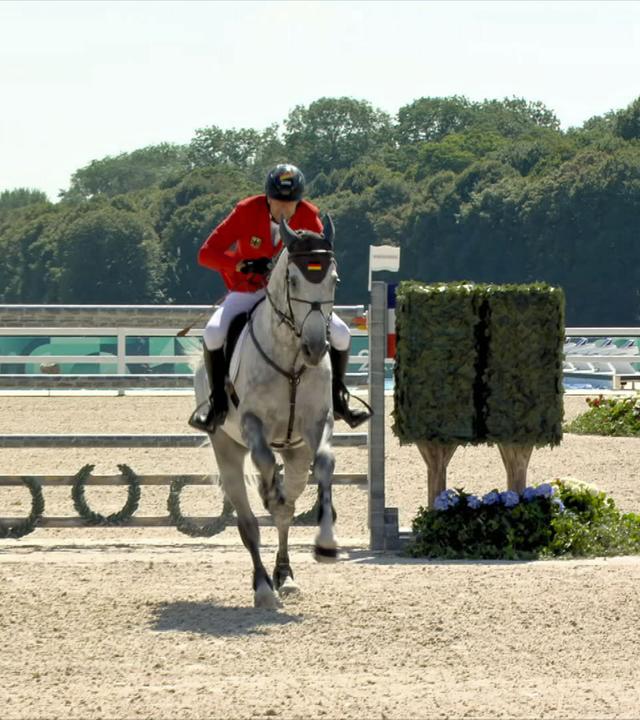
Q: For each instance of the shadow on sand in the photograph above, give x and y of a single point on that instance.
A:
(207, 618)
(362, 556)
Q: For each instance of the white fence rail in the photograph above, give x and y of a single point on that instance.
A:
(93, 321)
(383, 521)
(587, 358)
(121, 322)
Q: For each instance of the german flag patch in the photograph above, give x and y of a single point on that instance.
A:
(313, 266)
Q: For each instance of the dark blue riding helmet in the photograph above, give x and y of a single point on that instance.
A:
(285, 182)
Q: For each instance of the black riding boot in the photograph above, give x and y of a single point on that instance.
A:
(208, 417)
(341, 410)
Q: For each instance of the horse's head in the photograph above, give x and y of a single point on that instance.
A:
(302, 287)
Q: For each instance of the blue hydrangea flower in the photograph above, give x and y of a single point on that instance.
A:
(546, 490)
(529, 494)
(474, 502)
(491, 498)
(446, 499)
(509, 498)
(441, 503)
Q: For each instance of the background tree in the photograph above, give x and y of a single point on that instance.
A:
(428, 119)
(105, 256)
(489, 191)
(627, 122)
(128, 172)
(20, 197)
(333, 133)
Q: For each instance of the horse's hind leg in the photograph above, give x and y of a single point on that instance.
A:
(230, 456)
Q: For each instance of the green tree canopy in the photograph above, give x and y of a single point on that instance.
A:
(333, 133)
(491, 191)
(20, 197)
(108, 254)
(627, 122)
(128, 172)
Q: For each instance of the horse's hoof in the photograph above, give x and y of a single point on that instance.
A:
(289, 588)
(266, 599)
(325, 554)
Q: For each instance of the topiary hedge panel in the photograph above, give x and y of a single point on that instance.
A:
(523, 376)
(479, 363)
(435, 362)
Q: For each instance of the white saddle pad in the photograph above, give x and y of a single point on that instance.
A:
(234, 367)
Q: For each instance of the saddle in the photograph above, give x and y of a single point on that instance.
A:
(233, 334)
(238, 324)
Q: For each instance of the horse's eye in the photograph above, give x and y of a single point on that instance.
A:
(293, 281)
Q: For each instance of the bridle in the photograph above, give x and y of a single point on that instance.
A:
(301, 258)
(325, 258)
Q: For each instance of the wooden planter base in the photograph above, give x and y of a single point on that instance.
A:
(516, 461)
(437, 457)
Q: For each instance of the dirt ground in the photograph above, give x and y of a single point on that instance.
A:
(148, 623)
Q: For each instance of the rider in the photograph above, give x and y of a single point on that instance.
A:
(253, 227)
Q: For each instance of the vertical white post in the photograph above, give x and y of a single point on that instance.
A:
(377, 323)
(121, 352)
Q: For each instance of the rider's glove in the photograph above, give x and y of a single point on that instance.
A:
(260, 266)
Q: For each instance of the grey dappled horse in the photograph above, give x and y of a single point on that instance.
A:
(282, 382)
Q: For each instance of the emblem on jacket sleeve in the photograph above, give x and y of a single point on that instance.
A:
(255, 242)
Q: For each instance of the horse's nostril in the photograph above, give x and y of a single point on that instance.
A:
(305, 349)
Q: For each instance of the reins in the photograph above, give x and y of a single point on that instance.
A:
(292, 377)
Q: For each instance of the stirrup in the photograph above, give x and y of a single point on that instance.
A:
(353, 418)
(198, 418)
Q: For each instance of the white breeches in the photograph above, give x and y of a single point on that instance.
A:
(238, 302)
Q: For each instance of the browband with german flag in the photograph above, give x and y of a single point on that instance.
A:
(313, 265)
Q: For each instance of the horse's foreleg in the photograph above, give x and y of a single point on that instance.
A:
(264, 459)
(296, 476)
(230, 456)
(326, 547)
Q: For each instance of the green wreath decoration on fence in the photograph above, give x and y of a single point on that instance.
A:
(186, 525)
(94, 518)
(29, 524)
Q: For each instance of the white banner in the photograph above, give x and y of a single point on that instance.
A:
(383, 257)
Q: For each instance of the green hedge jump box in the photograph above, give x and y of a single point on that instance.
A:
(478, 364)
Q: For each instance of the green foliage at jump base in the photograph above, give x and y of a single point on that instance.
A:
(479, 363)
(565, 518)
(609, 416)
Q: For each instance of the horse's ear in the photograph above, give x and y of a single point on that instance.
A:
(328, 230)
(287, 234)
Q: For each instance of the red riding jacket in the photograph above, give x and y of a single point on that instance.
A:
(246, 234)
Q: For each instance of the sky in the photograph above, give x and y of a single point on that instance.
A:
(83, 80)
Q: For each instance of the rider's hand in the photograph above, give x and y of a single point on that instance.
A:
(260, 266)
